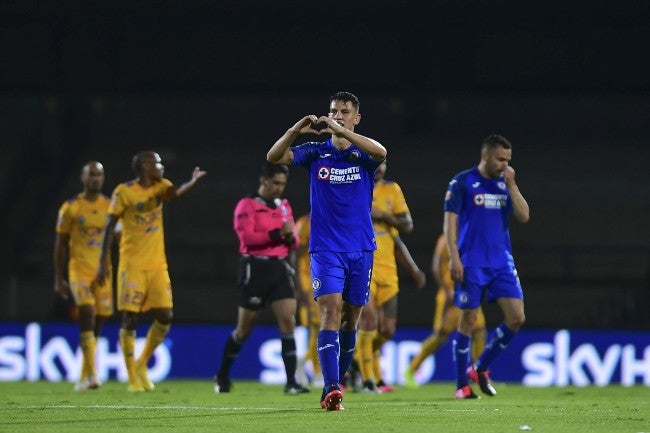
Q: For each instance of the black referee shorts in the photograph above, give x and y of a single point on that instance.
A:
(263, 280)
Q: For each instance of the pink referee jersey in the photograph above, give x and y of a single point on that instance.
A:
(256, 222)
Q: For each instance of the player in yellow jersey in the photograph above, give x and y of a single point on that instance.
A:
(143, 280)
(308, 310)
(446, 315)
(390, 216)
(79, 230)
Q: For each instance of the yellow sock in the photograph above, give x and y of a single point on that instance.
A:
(88, 343)
(84, 370)
(312, 349)
(377, 342)
(127, 342)
(478, 343)
(155, 336)
(429, 346)
(365, 356)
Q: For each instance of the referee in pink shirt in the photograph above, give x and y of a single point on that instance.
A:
(265, 227)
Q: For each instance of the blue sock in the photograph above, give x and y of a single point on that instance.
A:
(328, 355)
(348, 340)
(500, 340)
(460, 354)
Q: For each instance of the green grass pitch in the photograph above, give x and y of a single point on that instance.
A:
(192, 406)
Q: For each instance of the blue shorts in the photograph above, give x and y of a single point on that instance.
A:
(499, 283)
(345, 273)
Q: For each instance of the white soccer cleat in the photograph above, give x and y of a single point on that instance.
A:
(87, 384)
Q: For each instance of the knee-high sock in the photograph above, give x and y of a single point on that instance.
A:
(460, 354)
(289, 357)
(429, 346)
(328, 355)
(500, 340)
(366, 354)
(377, 342)
(127, 342)
(230, 352)
(155, 336)
(88, 343)
(348, 340)
(312, 349)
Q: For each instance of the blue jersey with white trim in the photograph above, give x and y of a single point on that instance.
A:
(483, 207)
(341, 184)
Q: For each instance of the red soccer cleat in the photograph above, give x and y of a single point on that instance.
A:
(483, 380)
(332, 400)
(465, 392)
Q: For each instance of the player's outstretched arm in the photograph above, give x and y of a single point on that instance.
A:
(188, 186)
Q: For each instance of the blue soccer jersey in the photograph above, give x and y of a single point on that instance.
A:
(341, 183)
(483, 207)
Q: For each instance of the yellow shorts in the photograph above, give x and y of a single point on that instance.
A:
(451, 314)
(381, 292)
(141, 290)
(101, 298)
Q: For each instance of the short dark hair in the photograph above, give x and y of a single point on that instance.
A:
(495, 140)
(346, 97)
(269, 170)
(139, 158)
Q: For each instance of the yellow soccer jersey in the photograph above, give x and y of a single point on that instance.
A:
(84, 222)
(388, 197)
(303, 267)
(142, 244)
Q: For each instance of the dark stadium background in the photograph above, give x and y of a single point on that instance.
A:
(215, 83)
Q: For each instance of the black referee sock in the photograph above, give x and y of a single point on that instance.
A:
(230, 353)
(289, 357)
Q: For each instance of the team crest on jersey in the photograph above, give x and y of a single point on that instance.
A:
(463, 297)
(501, 185)
(323, 173)
(139, 206)
(81, 220)
(315, 285)
(354, 155)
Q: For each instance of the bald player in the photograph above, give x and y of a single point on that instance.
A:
(79, 228)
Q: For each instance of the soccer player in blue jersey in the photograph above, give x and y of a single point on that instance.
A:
(342, 240)
(477, 207)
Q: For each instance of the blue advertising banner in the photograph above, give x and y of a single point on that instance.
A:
(49, 351)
